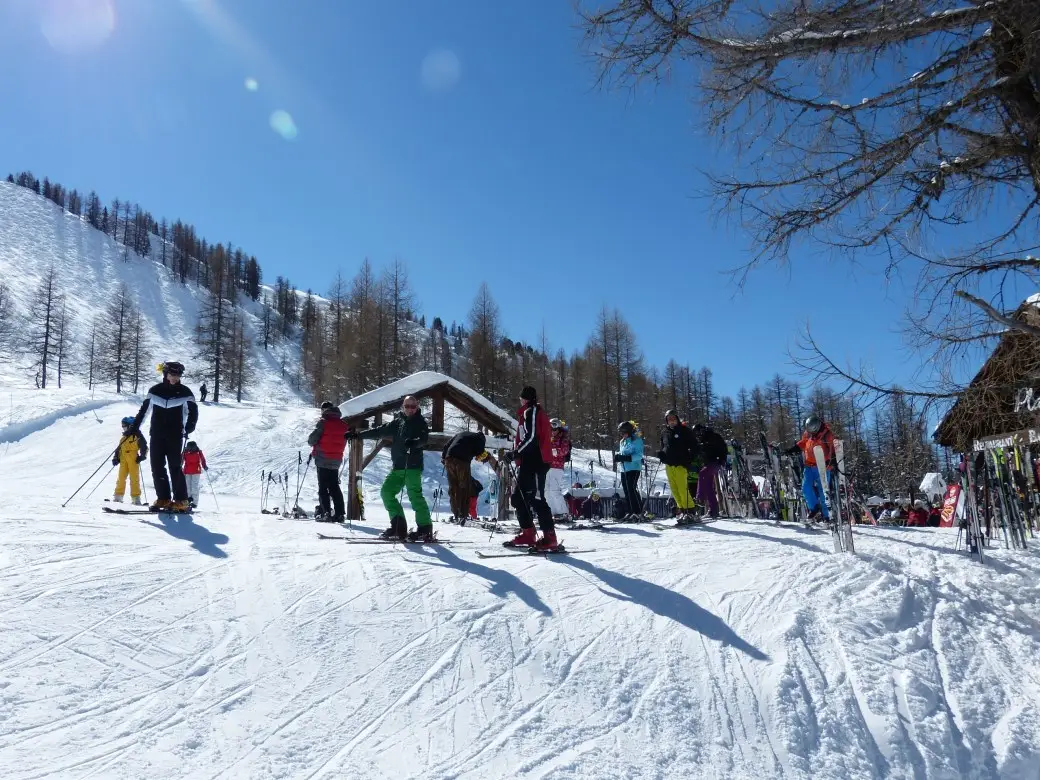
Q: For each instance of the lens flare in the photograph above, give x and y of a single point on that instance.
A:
(252, 85)
(440, 70)
(283, 124)
(77, 26)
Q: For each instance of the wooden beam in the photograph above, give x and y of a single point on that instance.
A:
(505, 490)
(437, 423)
(368, 458)
(355, 450)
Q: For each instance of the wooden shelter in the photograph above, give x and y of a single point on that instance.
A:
(367, 410)
(1004, 396)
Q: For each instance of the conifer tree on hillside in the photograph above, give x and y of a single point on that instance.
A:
(215, 332)
(116, 353)
(43, 321)
(63, 339)
(140, 350)
(7, 321)
(485, 335)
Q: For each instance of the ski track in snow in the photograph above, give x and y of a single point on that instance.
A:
(234, 644)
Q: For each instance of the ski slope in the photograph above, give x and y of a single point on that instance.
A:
(239, 645)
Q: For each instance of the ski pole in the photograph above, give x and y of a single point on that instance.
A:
(261, 491)
(211, 490)
(113, 454)
(100, 482)
(299, 485)
(140, 481)
(299, 462)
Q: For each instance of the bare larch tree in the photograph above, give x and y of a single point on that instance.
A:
(906, 133)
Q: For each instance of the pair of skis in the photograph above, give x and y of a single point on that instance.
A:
(839, 509)
(115, 511)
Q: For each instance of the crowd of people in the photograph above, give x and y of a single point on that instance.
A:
(692, 457)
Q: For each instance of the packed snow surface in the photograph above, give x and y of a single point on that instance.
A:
(238, 645)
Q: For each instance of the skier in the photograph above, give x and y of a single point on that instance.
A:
(202, 392)
(677, 450)
(327, 441)
(457, 457)
(630, 456)
(555, 480)
(132, 450)
(532, 451)
(410, 434)
(713, 451)
(194, 463)
(816, 434)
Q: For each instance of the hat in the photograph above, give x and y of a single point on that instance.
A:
(171, 367)
(529, 393)
(326, 405)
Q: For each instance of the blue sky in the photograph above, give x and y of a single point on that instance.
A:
(465, 137)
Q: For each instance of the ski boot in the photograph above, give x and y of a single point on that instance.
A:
(160, 505)
(136, 501)
(526, 538)
(422, 535)
(179, 506)
(398, 530)
(547, 544)
(117, 498)
(339, 519)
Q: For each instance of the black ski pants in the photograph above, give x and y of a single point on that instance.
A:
(630, 483)
(528, 497)
(329, 491)
(163, 451)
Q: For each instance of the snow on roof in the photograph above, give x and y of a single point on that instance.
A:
(368, 403)
(1033, 299)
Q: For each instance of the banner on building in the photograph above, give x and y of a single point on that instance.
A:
(949, 507)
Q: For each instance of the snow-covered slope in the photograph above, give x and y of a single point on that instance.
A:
(36, 235)
(239, 645)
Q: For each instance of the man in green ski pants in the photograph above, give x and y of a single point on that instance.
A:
(410, 434)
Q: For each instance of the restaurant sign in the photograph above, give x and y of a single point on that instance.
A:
(1017, 439)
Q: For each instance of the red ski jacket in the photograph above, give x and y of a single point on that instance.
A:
(329, 449)
(561, 448)
(533, 435)
(194, 462)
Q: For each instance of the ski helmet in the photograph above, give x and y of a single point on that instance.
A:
(172, 367)
(671, 413)
(555, 423)
(127, 421)
(813, 423)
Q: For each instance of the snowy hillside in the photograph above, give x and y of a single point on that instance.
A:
(36, 234)
(239, 645)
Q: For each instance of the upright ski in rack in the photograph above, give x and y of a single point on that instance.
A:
(833, 513)
(844, 502)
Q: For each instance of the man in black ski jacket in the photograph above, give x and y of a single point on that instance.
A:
(457, 458)
(174, 415)
(678, 446)
(409, 434)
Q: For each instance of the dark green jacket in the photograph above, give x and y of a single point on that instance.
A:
(410, 436)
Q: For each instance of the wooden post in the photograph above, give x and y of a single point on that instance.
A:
(505, 489)
(437, 424)
(356, 451)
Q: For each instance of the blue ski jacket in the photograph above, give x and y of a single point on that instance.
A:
(631, 446)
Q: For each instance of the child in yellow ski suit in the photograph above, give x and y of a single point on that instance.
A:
(131, 452)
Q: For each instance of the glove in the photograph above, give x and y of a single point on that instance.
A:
(623, 458)
(141, 458)
(353, 435)
(205, 468)
(115, 461)
(411, 443)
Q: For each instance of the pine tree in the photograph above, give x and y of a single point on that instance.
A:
(116, 339)
(7, 321)
(63, 338)
(44, 314)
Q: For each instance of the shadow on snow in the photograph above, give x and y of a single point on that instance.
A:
(201, 538)
(667, 603)
(503, 582)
